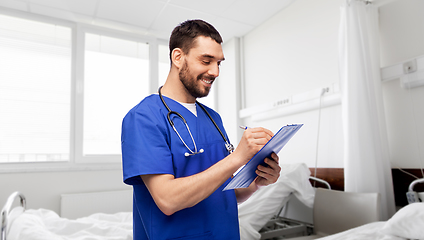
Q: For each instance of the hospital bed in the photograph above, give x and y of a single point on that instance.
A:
(406, 223)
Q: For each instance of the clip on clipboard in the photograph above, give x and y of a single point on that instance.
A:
(247, 174)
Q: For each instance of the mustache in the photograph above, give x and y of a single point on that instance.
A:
(207, 77)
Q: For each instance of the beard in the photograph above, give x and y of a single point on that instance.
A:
(191, 83)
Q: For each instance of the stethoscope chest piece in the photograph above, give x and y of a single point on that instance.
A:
(229, 147)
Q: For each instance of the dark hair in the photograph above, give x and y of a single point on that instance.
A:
(184, 35)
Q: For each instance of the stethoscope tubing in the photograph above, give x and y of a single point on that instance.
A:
(229, 146)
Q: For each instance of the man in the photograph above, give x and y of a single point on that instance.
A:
(178, 175)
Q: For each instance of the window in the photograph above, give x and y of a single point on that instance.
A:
(64, 90)
(164, 63)
(116, 78)
(35, 91)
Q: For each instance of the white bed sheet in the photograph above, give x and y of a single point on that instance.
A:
(42, 224)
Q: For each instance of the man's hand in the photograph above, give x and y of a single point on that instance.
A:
(268, 174)
(251, 142)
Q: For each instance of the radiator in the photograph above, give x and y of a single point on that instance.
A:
(78, 205)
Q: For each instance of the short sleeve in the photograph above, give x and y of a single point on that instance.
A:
(144, 145)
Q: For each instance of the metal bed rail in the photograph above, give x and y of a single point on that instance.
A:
(6, 210)
(413, 183)
(321, 181)
(412, 196)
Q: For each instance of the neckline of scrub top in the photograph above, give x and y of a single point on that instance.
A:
(174, 102)
(190, 106)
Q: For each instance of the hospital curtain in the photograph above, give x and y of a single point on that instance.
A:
(366, 153)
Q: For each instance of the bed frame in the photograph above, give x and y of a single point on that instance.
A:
(6, 210)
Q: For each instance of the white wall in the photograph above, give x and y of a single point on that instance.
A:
(402, 38)
(401, 30)
(296, 51)
(293, 52)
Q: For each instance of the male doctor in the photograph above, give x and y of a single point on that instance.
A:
(178, 174)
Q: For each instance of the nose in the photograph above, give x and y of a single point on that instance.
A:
(214, 70)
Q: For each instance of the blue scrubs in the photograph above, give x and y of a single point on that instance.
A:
(150, 146)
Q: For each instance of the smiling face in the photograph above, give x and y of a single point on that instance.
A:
(200, 66)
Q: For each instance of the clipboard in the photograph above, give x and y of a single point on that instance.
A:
(247, 174)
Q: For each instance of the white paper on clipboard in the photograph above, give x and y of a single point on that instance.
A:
(247, 174)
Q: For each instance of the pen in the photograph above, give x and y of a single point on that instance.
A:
(243, 127)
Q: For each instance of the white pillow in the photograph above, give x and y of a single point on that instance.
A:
(408, 222)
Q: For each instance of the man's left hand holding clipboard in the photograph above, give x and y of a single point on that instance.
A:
(254, 139)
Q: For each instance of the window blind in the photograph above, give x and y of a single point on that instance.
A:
(35, 91)
(116, 78)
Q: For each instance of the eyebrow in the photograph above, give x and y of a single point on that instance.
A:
(212, 57)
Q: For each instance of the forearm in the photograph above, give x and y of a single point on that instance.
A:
(173, 194)
(266, 175)
(242, 194)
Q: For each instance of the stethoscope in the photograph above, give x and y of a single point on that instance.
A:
(228, 146)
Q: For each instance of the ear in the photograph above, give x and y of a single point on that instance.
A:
(177, 57)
